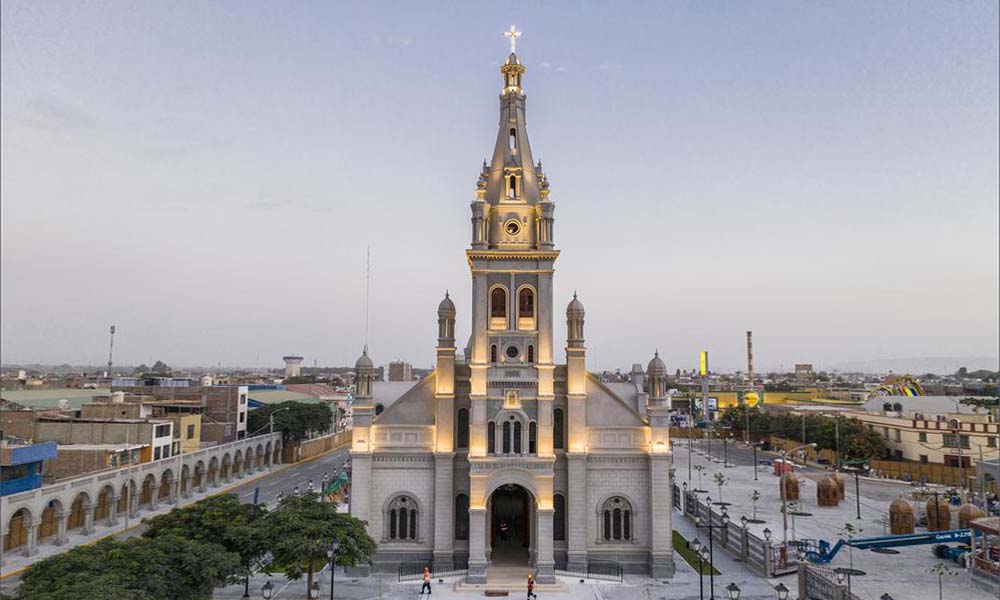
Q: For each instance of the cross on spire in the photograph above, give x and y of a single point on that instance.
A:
(513, 34)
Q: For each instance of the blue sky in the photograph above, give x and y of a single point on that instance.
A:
(208, 176)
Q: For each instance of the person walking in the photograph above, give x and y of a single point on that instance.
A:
(531, 588)
(427, 582)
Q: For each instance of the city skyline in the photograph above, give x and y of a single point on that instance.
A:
(221, 174)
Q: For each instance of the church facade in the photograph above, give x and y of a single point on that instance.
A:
(501, 456)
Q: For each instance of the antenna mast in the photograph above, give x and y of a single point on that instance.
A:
(750, 360)
(111, 349)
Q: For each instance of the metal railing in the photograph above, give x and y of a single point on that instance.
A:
(604, 570)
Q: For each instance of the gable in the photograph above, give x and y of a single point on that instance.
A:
(607, 409)
(415, 406)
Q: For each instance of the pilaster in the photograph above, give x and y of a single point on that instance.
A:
(576, 521)
(88, 519)
(61, 522)
(444, 515)
(544, 561)
(661, 558)
(477, 545)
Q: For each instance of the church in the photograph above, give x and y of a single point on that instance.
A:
(501, 457)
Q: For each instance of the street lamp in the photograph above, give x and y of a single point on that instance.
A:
(331, 553)
(695, 545)
(711, 527)
(754, 460)
(314, 591)
(734, 591)
(857, 487)
(782, 591)
(781, 484)
(267, 590)
(767, 534)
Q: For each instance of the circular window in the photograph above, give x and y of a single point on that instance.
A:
(512, 227)
(512, 352)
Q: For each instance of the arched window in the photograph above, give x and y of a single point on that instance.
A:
(498, 303)
(512, 187)
(512, 139)
(402, 519)
(532, 438)
(616, 519)
(559, 518)
(461, 517)
(506, 437)
(378, 409)
(462, 428)
(493, 353)
(526, 302)
(491, 438)
(517, 437)
(558, 437)
(531, 354)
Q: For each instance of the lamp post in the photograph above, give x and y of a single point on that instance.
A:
(725, 451)
(734, 591)
(696, 546)
(332, 555)
(846, 572)
(784, 507)
(267, 591)
(857, 487)
(314, 591)
(782, 591)
(711, 527)
(755, 461)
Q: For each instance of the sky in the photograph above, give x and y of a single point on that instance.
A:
(208, 176)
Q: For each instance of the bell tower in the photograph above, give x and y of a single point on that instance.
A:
(512, 258)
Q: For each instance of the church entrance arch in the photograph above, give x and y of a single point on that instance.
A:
(511, 518)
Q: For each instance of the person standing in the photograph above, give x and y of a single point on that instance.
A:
(427, 582)
(531, 588)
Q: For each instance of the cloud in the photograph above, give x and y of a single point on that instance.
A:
(610, 66)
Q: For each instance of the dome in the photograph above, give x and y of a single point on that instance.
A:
(364, 361)
(575, 309)
(656, 366)
(513, 60)
(900, 505)
(447, 307)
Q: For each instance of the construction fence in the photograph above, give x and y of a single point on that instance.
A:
(299, 451)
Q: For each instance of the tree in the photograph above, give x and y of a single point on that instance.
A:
(941, 569)
(296, 423)
(165, 568)
(301, 530)
(720, 480)
(143, 368)
(755, 498)
(222, 520)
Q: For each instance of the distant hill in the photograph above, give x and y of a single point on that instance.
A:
(941, 365)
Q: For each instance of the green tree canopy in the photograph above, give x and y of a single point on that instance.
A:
(301, 530)
(222, 520)
(855, 440)
(294, 423)
(165, 568)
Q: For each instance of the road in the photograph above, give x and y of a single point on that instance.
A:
(284, 479)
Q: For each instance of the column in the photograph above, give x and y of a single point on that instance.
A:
(154, 496)
(544, 562)
(61, 522)
(477, 546)
(172, 492)
(31, 546)
(186, 487)
(113, 511)
(661, 556)
(88, 519)
(577, 515)
(444, 512)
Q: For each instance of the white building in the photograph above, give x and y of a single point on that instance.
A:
(501, 456)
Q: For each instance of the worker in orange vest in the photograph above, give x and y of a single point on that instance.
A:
(427, 582)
